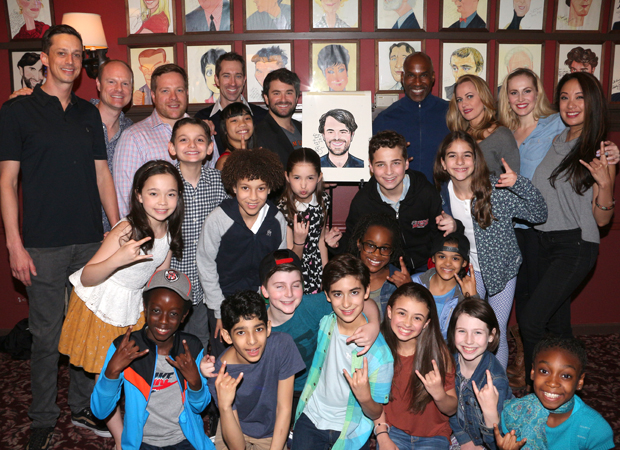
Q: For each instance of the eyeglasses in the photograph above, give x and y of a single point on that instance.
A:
(370, 248)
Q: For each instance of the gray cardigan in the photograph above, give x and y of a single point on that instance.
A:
(498, 252)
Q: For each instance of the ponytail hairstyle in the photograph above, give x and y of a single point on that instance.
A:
(480, 181)
(298, 156)
(593, 132)
(235, 109)
(139, 221)
(456, 121)
(429, 346)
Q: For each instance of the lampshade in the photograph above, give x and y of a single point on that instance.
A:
(89, 26)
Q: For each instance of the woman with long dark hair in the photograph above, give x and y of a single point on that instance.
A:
(578, 188)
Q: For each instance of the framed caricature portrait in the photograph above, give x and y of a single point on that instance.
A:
(510, 57)
(339, 134)
(268, 15)
(400, 14)
(578, 15)
(207, 16)
(335, 14)
(615, 17)
(150, 16)
(467, 15)
(334, 66)
(575, 57)
(262, 58)
(143, 61)
(615, 76)
(516, 15)
(458, 59)
(27, 19)
(391, 56)
(27, 70)
(200, 61)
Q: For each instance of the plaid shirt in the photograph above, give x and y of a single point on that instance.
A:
(143, 142)
(199, 202)
(357, 427)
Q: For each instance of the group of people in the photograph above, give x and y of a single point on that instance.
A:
(219, 282)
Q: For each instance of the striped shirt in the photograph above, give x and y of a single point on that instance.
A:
(199, 202)
(357, 427)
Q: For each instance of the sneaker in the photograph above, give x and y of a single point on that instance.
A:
(40, 438)
(86, 419)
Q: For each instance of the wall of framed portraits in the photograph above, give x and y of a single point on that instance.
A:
(370, 38)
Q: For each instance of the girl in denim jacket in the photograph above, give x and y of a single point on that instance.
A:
(481, 382)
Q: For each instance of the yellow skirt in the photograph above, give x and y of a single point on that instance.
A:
(85, 338)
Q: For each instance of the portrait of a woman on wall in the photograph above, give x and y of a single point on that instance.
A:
(155, 18)
(521, 14)
(334, 66)
(150, 16)
(29, 19)
(334, 61)
(335, 14)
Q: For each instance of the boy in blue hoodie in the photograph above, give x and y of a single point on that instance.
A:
(155, 367)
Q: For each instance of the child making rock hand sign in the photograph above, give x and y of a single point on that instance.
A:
(422, 396)
(164, 391)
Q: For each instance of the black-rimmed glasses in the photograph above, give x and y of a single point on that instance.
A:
(370, 248)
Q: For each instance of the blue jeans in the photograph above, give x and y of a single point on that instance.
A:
(46, 301)
(308, 437)
(406, 442)
(183, 445)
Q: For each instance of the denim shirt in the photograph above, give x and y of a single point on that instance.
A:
(468, 422)
(446, 312)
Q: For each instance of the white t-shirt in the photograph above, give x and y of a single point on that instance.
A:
(327, 407)
(461, 210)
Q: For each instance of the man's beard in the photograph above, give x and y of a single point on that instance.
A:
(338, 152)
(277, 112)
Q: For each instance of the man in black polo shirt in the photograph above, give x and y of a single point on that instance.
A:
(56, 140)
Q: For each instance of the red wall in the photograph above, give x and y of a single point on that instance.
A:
(597, 303)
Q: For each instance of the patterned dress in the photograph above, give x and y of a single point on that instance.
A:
(312, 265)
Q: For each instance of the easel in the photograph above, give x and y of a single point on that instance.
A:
(330, 192)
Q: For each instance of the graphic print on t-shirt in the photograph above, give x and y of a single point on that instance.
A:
(163, 380)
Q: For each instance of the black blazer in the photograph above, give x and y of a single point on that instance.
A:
(271, 136)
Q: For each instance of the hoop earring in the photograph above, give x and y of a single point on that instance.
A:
(21, 11)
